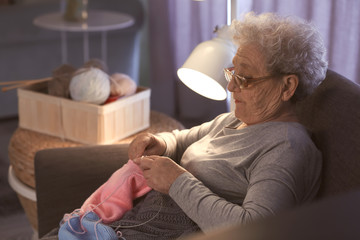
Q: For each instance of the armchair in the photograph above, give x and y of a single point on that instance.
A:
(65, 177)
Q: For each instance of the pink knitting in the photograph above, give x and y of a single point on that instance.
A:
(111, 200)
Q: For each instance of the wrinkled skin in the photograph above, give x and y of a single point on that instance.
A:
(264, 101)
(160, 172)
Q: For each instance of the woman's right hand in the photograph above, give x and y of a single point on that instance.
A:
(146, 144)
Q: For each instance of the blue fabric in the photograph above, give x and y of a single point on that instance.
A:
(87, 227)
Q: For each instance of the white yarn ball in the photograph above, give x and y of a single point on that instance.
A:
(90, 85)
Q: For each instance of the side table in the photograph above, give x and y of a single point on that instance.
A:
(98, 21)
(25, 143)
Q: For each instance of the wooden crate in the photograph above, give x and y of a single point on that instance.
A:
(83, 122)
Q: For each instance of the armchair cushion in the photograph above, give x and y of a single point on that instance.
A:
(66, 177)
(332, 114)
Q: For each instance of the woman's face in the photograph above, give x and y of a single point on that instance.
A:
(259, 102)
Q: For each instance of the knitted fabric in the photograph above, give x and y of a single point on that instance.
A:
(107, 204)
(111, 200)
(155, 216)
(86, 227)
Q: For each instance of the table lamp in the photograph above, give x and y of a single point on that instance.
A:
(203, 71)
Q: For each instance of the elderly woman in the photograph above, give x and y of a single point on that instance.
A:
(247, 164)
(258, 160)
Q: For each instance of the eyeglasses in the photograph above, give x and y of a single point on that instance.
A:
(240, 81)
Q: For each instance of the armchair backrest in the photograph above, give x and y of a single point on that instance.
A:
(332, 114)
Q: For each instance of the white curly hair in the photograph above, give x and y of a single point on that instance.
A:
(290, 46)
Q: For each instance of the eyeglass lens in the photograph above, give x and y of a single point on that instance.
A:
(239, 81)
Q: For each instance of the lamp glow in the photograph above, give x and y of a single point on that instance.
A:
(203, 72)
(204, 85)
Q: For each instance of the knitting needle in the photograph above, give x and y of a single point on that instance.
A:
(26, 81)
(4, 89)
(22, 83)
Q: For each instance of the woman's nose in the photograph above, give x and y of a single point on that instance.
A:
(231, 86)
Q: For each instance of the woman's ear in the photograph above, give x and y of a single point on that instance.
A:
(290, 84)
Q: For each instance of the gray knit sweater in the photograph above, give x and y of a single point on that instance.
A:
(235, 176)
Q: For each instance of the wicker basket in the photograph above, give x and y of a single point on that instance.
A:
(30, 210)
(22, 149)
(26, 195)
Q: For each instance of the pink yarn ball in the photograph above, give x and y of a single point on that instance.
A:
(122, 85)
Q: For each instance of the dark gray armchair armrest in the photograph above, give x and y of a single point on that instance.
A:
(66, 177)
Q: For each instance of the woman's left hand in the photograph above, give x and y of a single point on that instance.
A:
(159, 172)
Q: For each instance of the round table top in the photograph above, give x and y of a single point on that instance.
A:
(98, 20)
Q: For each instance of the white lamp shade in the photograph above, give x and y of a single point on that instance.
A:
(203, 70)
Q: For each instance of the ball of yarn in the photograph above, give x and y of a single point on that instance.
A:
(96, 63)
(61, 77)
(121, 85)
(90, 85)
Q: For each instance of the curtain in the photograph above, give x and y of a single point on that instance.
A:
(177, 26)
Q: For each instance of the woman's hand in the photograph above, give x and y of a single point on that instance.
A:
(159, 172)
(146, 144)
